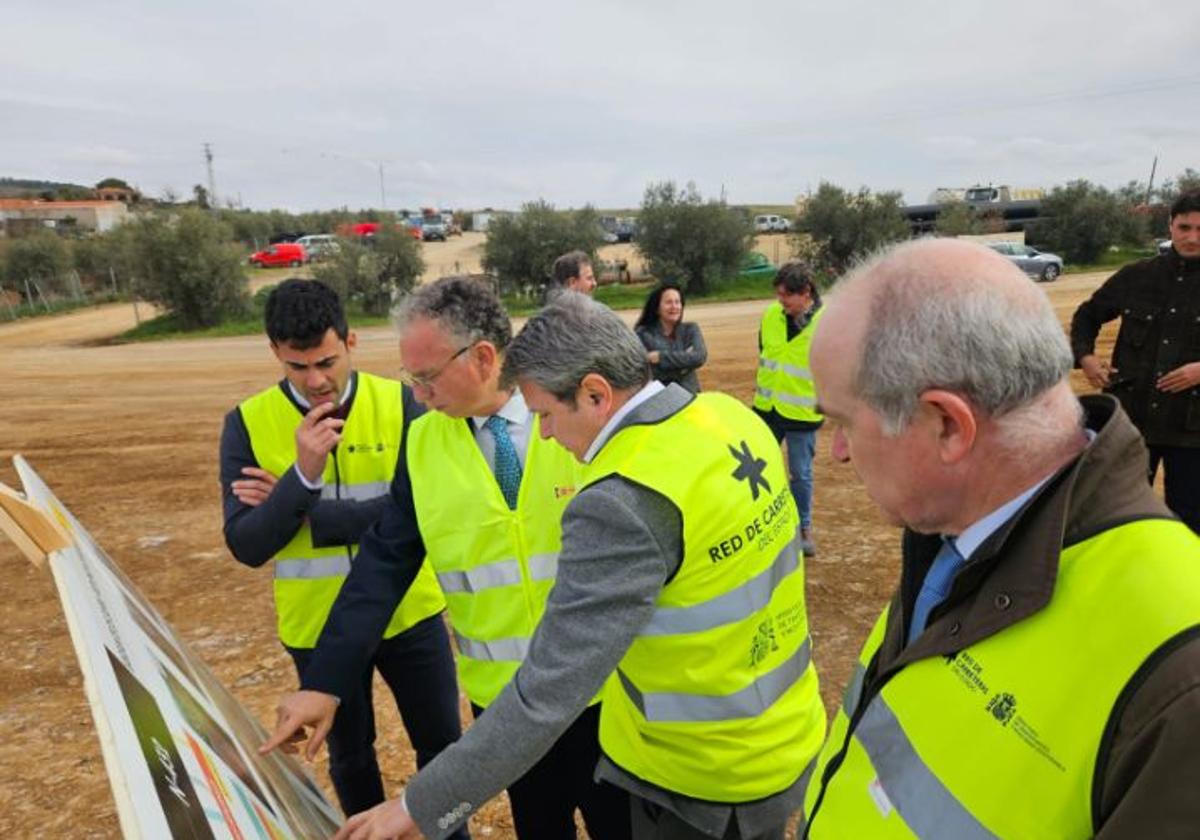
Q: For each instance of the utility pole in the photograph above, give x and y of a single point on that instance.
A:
(1150, 185)
(382, 193)
(212, 182)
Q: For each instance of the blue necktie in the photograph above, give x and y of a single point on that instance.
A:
(936, 586)
(508, 465)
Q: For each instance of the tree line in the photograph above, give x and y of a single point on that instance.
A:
(191, 262)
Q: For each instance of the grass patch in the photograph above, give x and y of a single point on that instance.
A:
(1113, 258)
(167, 328)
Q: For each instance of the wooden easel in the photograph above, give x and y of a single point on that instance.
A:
(35, 533)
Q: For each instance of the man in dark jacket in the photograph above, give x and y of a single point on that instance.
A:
(1155, 370)
(1037, 671)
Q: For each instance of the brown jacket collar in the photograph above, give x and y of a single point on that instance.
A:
(1012, 575)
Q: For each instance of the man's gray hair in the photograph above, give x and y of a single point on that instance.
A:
(971, 325)
(466, 309)
(572, 337)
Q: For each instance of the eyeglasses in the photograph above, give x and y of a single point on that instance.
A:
(426, 380)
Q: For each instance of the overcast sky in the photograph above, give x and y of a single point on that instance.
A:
(470, 104)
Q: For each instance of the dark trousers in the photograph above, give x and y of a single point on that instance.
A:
(1181, 480)
(418, 666)
(544, 799)
(653, 822)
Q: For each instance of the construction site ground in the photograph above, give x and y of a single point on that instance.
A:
(127, 434)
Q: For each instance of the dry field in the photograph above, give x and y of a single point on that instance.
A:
(127, 437)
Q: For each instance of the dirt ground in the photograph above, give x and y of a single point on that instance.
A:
(127, 437)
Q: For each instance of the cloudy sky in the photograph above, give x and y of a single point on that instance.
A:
(471, 104)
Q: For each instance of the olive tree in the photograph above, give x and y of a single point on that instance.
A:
(837, 227)
(699, 243)
(187, 263)
(521, 248)
(373, 273)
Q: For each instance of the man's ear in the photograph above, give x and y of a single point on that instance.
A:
(351, 340)
(485, 354)
(595, 394)
(954, 423)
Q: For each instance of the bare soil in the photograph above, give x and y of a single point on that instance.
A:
(127, 436)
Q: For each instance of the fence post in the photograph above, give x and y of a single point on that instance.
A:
(78, 285)
(112, 276)
(29, 296)
(42, 295)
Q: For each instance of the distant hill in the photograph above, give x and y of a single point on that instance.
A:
(32, 188)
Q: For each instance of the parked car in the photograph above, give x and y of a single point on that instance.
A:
(318, 245)
(279, 255)
(771, 223)
(1036, 264)
(1164, 247)
(433, 229)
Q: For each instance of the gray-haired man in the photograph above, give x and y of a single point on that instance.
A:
(680, 592)
(1037, 673)
(479, 494)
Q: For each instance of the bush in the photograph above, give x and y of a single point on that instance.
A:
(187, 264)
(957, 219)
(374, 275)
(841, 227)
(1083, 220)
(41, 257)
(684, 238)
(521, 248)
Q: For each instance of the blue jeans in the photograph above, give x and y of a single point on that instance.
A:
(801, 446)
(418, 666)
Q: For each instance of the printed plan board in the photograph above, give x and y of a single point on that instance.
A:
(180, 751)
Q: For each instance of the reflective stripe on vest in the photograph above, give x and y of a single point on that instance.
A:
(783, 382)
(311, 568)
(307, 578)
(946, 743)
(751, 701)
(735, 605)
(495, 565)
(716, 698)
(501, 573)
(494, 650)
(361, 492)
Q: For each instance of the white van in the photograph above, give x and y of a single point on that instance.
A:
(318, 245)
(770, 223)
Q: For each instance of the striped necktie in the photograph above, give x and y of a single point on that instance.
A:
(508, 465)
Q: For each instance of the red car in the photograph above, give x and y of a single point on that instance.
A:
(279, 255)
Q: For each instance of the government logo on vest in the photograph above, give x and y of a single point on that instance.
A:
(1003, 706)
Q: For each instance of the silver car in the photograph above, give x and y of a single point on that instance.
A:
(1035, 263)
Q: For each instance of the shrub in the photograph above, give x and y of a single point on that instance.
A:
(684, 238)
(843, 227)
(374, 275)
(42, 257)
(956, 219)
(188, 264)
(1082, 220)
(521, 248)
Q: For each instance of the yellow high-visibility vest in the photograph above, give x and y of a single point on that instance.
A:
(716, 698)
(1001, 739)
(784, 381)
(496, 566)
(307, 578)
